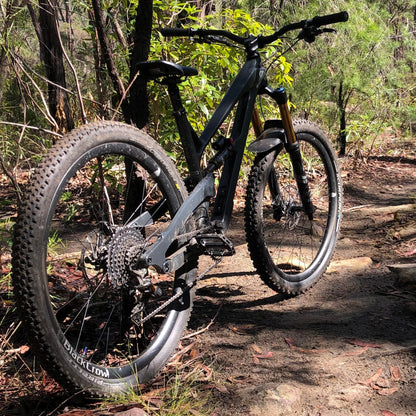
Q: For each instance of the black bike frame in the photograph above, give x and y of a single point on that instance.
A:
(242, 92)
(249, 82)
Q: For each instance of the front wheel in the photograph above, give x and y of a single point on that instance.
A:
(289, 250)
(93, 313)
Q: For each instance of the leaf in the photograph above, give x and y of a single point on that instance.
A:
(373, 378)
(222, 389)
(265, 356)
(360, 343)
(256, 349)
(195, 353)
(383, 383)
(387, 392)
(291, 343)
(387, 413)
(239, 330)
(24, 349)
(354, 353)
(395, 374)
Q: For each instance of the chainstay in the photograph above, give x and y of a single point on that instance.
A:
(177, 295)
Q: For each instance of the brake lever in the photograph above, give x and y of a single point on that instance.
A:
(309, 34)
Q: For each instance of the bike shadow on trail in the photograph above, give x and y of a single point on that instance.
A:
(364, 306)
(330, 339)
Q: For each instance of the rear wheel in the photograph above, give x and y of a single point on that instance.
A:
(102, 195)
(289, 250)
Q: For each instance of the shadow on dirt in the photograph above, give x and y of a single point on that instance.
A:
(373, 309)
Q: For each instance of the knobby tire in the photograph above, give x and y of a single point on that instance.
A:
(72, 243)
(289, 251)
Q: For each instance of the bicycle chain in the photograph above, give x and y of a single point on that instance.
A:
(176, 296)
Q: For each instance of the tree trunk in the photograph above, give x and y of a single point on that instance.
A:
(70, 30)
(108, 57)
(4, 71)
(8, 15)
(54, 65)
(99, 68)
(139, 103)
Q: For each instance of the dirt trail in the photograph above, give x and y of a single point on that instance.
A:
(348, 346)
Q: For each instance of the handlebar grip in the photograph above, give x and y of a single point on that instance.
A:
(175, 31)
(329, 19)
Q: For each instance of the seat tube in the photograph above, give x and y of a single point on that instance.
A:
(186, 133)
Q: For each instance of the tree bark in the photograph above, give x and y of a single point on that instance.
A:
(99, 67)
(139, 103)
(70, 30)
(54, 65)
(138, 100)
(8, 14)
(343, 99)
(4, 71)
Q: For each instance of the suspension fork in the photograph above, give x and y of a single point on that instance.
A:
(277, 202)
(292, 147)
(256, 121)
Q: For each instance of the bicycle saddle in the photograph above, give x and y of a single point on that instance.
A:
(156, 69)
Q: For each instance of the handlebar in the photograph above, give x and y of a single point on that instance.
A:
(308, 30)
(329, 19)
(170, 32)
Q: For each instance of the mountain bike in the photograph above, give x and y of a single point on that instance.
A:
(107, 240)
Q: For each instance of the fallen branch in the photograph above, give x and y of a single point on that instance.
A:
(201, 331)
(26, 126)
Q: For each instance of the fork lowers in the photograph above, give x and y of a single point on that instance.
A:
(301, 178)
(292, 147)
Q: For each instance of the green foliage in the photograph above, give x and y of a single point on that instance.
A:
(372, 55)
(181, 395)
(217, 66)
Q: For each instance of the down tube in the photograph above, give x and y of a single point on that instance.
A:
(224, 201)
(245, 81)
